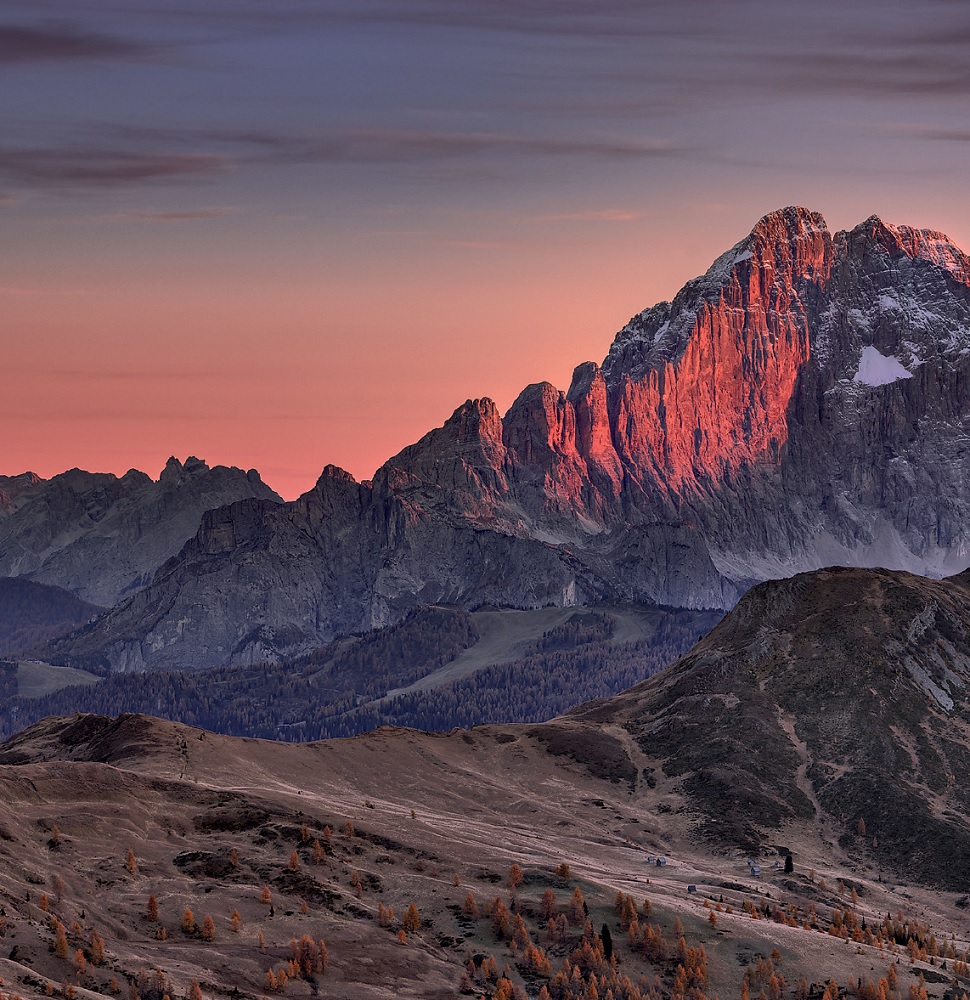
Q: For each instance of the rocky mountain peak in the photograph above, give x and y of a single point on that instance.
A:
(794, 243)
(12, 487)
(101, 536)
(788, 253)
(788, 224)
(701, 387)
(176, 471)
(172, 470)
(335, 472)
(459, 464)
(477, 423)
(917, 244)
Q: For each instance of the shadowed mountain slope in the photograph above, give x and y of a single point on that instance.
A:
(33, 613)
(103, 536)
(836, 700)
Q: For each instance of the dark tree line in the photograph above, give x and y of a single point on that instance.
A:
(335, 691)
(31, 614)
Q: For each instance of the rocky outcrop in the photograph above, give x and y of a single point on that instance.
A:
(803, 403)
(102, 537)
(11, 487)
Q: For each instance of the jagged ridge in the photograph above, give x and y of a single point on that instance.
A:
(102, 536)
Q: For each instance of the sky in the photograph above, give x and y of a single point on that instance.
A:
(286, 233)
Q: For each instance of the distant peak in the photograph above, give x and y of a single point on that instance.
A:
(335, 472)
(482, 408)
(583, 377)
(544, 393)
(23, 479)
(174, 469)
(918, 244)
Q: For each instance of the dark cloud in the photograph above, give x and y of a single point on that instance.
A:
(922, 71)
(47, 43)
(940, 133)
(392, 146)
(101, 168)
(130, 156)
(186, 216)
(580, 18)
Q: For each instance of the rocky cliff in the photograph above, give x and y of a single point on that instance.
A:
(101, 536)
(805, 402)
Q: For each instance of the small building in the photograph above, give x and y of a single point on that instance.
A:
(755, 870)
(692, 888)
(661, 862)
(650, 859)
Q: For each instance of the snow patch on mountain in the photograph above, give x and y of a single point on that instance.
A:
(877, 369)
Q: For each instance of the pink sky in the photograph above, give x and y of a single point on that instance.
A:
(282, 244)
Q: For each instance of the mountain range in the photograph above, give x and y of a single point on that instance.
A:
(102, 536)
(803, 403)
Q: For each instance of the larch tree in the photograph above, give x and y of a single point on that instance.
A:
(412, 919)
(97, 948)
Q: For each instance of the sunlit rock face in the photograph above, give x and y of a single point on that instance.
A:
(705, 392)
(804, 403)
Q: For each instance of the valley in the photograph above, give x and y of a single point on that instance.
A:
(153, 857)
(436, 669)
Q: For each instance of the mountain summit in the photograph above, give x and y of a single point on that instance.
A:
(806, 402)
